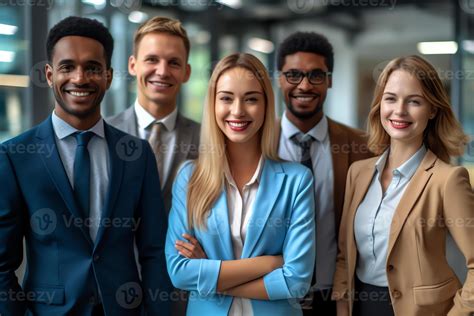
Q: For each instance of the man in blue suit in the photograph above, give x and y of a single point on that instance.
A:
(81, 193)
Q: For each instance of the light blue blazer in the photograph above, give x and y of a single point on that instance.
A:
(282, 223)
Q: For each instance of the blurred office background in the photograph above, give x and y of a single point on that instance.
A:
(365, 35)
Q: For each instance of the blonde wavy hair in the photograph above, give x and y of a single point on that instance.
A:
(444, 135)
(161, 24)
(207, 180)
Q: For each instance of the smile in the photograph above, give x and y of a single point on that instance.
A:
(238, 126)
(160, 84)
(400, 124)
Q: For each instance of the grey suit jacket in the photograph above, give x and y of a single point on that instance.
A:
(187, 143)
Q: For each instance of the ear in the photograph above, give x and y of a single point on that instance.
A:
(188, 73)
(434, 111)
(110, 76)
(330, 81)
(132, 61)
(48, 69)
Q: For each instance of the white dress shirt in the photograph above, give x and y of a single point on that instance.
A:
(100, 165)
(321, 158)
(240, 208)
(374, 218)
(168, 135)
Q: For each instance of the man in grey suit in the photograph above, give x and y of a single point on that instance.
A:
(160, 65)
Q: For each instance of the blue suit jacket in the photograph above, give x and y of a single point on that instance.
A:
(282, 222)
(66, 271)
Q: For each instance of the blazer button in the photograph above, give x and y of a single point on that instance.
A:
(96, 258)
(390, 267)
(396, 294)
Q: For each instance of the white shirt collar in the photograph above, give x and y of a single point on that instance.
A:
(62, 129)
(145, 119)
(319, 131)
(408, 168)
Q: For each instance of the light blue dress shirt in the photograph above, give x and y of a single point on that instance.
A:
(374, 218)
(326, 244)
(100, 165)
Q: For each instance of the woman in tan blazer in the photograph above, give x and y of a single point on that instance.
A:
(400, 206)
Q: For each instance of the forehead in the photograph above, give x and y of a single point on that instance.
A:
(162, 44)
(79, 49)
(238, 80)
(402, 80)
(305, 61)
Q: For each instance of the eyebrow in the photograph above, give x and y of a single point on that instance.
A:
(411, 95)
(246, 93)
(70, 61)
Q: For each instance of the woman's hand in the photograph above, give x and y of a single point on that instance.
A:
(190, 249)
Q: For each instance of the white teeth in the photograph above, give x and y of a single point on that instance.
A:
(79, 94)
(235, 124)
(160, 84)
(304, 99)
(399, 123)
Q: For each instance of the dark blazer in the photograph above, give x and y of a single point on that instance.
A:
(66, 270)
(347, 146)
(439, 199)
(187, 141)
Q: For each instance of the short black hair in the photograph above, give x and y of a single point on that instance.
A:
(79, 26)
(308, 42)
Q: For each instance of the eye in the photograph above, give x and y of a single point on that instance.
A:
(94, 69)
(151, 60)
(251, 100)
(389, 99)
(415, 102)
(66, 68)
(175, 63)
(225, 99)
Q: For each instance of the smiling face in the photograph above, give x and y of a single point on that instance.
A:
(160, 67)
(404, 112)
(240, 106)
(304, 100)
(79, 78)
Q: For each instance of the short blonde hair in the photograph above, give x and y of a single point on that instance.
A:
(160, 24)
(443, 135)
(206, 182)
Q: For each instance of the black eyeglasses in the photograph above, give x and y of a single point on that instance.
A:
(316, 76)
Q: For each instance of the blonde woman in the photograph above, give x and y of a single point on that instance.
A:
(241, 228)
(400, 206)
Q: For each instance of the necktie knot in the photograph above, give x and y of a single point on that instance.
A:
(304, 141)
(83, 138)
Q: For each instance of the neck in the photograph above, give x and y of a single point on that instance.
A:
(158, 111)
(401, 152)
(243, 156)
(304, 124)
(79, 123)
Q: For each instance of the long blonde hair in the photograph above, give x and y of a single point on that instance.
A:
(207, 180)
(443, 135)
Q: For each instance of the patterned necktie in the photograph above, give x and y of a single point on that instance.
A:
(82, 172)
(304, 143)
(155, 143)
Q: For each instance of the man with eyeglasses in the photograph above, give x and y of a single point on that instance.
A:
(305, 62)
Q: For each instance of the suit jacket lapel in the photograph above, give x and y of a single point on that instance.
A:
(220, 217)
(55, 167)
(117, 153)
(340, 161)
(412, 193)
(271, 183)
(129, 123)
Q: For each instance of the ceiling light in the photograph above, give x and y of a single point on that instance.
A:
(437, 48)
(6, 29)
(261, 45)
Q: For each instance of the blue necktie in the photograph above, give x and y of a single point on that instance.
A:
(82, 172)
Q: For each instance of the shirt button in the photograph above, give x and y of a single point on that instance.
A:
(96, 258)
(396, 294)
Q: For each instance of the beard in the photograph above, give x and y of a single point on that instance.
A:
(304, 115)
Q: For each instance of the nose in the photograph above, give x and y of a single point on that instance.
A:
(305, 84)
(80, 76)
(162, 69)
(237, 108)
(400, 108)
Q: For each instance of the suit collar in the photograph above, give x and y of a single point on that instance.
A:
(318, 132)
(145, 119)
(62, 129)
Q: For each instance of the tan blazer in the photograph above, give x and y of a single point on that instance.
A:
(438, 199)
(347, 145)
